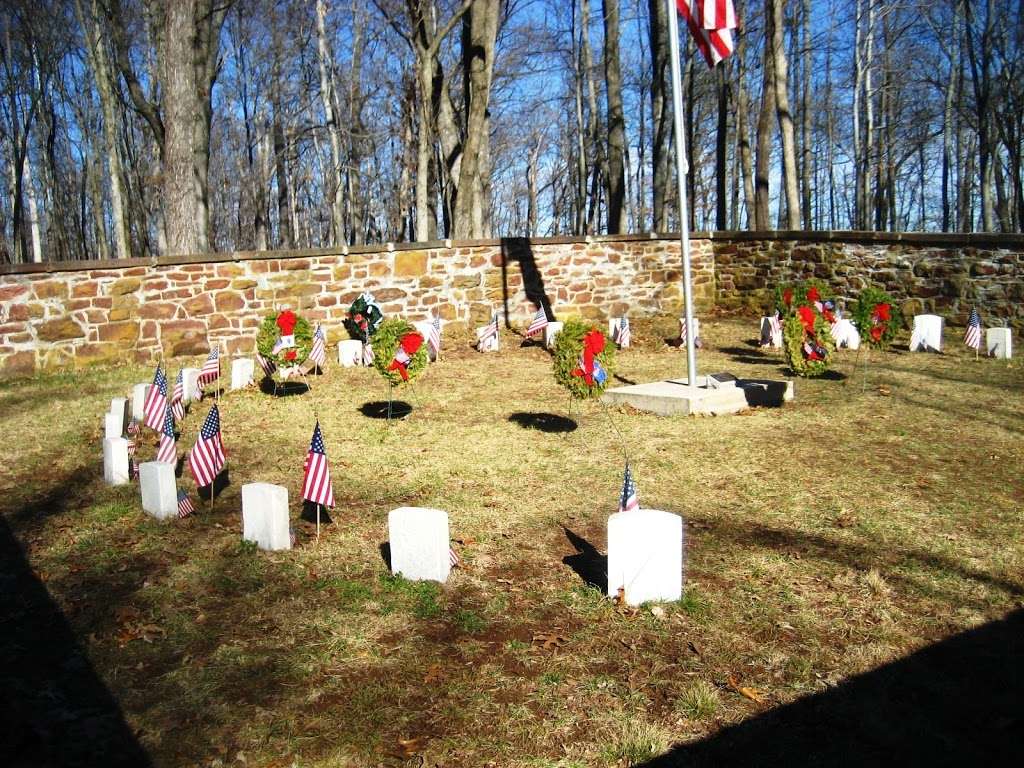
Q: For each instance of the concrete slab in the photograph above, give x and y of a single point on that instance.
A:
(674, 397)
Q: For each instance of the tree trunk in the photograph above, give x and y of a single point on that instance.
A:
(762, 166)
(724, 71)
(615, 180)
(661, 112)
(333, 186)
(785, 117)
(746, 161)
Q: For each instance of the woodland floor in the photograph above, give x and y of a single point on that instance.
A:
(854, 574)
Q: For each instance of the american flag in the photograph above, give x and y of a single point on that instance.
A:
(622, 333)
(682, 333)
(453, 558)
(168, 450)
(211, 368)
(489, 331)
(539, 322)
(206, 459)
(711, 23)
(317, 486)
(185, 507)
(156, 402)
(178, 396)
(267, 366)
(367, 354)
(434, 337)
(133, 445)
(972, 336)
(318, 354)
(628, 500)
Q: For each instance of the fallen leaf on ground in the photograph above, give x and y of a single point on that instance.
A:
(884, 391)
(657, 612)
(433, 675)
(620, 596)
(751, 693)
(409, 747)
(694, 648)
(549, 641)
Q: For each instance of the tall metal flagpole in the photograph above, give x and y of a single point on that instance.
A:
(684, 209)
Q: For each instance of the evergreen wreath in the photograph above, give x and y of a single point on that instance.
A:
(278, 328)
(398, 347)
(789, 297)
(584, 361)
(807, 341)
(875, 319)
(364, 316)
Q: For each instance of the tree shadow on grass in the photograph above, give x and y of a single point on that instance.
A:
(56, 711)
(551, 423)
(378, 409)
(954, 703)
(283, 389)
(588, 563)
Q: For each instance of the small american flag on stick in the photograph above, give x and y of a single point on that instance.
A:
(185, 507)
(682, 333)
(711, 23)
(972, 336)
(622, 333)
(156, 401)
(434, 337)
(368, 354)
(178, 396)
(206, 459)
(453, 558)
(168, 450)
(265, 365)
(318, 354)
(316, 485)
(539, 322)
(488, 332)
(210, 371)
(628, 500)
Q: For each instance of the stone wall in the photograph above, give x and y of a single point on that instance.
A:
(61, 315)
(64, 315)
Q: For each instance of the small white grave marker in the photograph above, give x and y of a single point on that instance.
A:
(139, 401)
(423, 329)
(265, 515)
(998, 342)
(119, 406)
(551, 330)
(159, 491)
(488, 345)
(350, 353)
(115, 460)
(419, 543)
(113, 425)
(190, 378)
(845, 334)
(645, 555)
(242, 371)
(927, 333)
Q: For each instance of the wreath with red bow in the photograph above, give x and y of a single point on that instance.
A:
(285, 339)
(584, 360)
(875, 317)
(808, 311)
(399, 351)
(364, 316)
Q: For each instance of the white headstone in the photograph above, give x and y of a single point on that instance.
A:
(419, 543)
(423, 329)
(115, 460)
(139, 401)
(159, 490)
(998, 343)
(113, 425)
(927, 334)
(845, 334)
(265, 515)
(242, 371)
(491, 345)
(773, 337)
(190, 378)
(350, 353)
(119, 406)
(551, 330)
(645, 555)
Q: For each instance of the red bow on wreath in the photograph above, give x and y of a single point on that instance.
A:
(593, 345)
(806, 315)
(879, 317)
(813, 295)
(286, 322)
(407, 347)
(787, 296)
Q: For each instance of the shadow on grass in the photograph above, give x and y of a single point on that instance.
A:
(953, 703)
(285, 389)
(56, 711)
(385, 553)
(624, 380)
(588, 563)
(378, 409)
(220, 482)
(551, 423)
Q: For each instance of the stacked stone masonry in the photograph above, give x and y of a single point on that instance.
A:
(75, 314)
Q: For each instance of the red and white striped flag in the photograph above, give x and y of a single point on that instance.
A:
(210, 371)
(133, 445)
(265, 365)
(622, 333)
(453, 558)
(488, 332)
(711, 23)
(434, 337)
(156, 402)
(367, 353)
(628, 500)
(539, 322)
(185, 507)
(178, 396)
(318, 354)
(972, 336)
(206, 459)
(682, 333)
(316, 485)
(168, 450)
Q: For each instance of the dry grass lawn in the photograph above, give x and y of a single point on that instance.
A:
(875, 515)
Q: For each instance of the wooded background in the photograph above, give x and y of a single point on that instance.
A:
(153, 127)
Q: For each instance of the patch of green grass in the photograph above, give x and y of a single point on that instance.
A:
(636, 742)
(698, 701)
(693, 603)
(470, 622)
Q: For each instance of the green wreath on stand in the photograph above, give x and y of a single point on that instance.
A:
(364, 317)
(807, 342)
(399, 351)
(285, 340)
(584, 360)
(874, 317)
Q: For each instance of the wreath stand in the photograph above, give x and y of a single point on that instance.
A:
(303, 373)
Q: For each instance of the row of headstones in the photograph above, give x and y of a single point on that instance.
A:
(926, 336)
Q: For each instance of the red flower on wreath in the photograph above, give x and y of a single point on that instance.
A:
(829, 316)
(286, 322)
(290, 354)
(813, 295)
(806, 315)
(593, 345)
(876, 333)
(787, 296)
(882, 313)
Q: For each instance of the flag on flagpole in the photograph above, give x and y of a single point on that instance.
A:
(178, 396)
(622, 333)
(434, 337)
(972, 336)
(539, 322)
(210, 371)
(318, 354)
(316, 485)
(168, 450)
(265, 365)
(156, 401)
(711, 23)
(628, 500)
(206, 459)
(185, 507)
